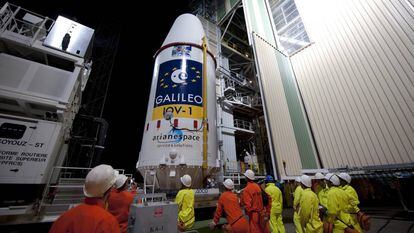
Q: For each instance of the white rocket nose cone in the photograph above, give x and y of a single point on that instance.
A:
(186, 28)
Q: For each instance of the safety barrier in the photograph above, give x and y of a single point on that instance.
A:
(23, 22)
(243, 124)
(240, 167)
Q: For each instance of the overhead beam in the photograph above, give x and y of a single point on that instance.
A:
(228, 24)
(236, 37)
(236, 52)
(235, 7)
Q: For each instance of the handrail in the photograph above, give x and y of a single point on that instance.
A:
(57, 172)
(243, 124)
(11, 23)
(259, 168)
(87, 168)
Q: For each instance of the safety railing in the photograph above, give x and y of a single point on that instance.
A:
(229, 84)
(231, 167)
(243, 124)
(237, 78)
(246, 100)
(238, 48)
(24, 22)
(257, 101)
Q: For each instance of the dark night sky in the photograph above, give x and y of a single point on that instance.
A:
(141, 36)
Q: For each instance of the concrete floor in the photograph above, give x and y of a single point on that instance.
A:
(378, 219)
(395, 226)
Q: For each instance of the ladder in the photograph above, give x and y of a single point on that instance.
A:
(235, 177)
(148, 176)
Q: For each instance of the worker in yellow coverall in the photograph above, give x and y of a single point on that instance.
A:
(353, 203)
(320, 188)
(337, 205)
(309, 208)
(185, 201)
(296, 207)
(276, 222)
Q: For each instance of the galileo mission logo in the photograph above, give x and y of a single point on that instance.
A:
(179, 88)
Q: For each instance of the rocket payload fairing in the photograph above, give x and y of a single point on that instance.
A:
(181, 113)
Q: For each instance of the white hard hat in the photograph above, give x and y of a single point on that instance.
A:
(99, 180)
(120, 181)
(186, 180)
(319, 176)
(328, 176)
(297, 179)
(228, 184)
(334, 179)
(345, 176)
(249, 174)
(306, 180)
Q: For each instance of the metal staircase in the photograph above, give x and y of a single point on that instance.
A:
(63, 191)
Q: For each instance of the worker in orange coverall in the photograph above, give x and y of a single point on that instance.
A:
(229, 203)
(251, 199)
(134, 187)
(91, 216)
(119, 202)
